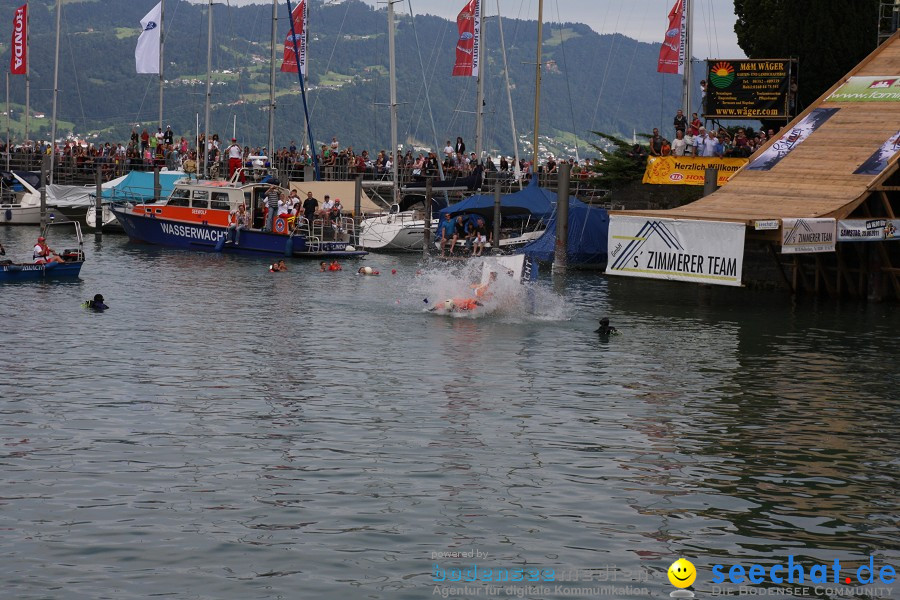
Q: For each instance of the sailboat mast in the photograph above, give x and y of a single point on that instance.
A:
(270, 141)
(209, 32)
(479, 96)
(537, 86)
(27, 67)
(688, 16)
(392, 66)
(162, 39)
(55, 91)
(512, 117)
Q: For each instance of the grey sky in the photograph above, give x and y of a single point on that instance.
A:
(644, 20)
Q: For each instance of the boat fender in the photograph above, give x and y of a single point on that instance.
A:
(220, 244)
(8, 214)
(289, 246)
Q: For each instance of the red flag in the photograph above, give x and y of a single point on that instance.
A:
(671, 55)
(468, 46)
(289, 64)
(18, 59)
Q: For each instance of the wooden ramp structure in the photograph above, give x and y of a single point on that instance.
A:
(816, 178)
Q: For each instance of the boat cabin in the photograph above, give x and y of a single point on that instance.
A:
(209, 202)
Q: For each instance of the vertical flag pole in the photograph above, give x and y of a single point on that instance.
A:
(479, 97)
(312, 149)
(162, 10)
(686, 33)
(209, 32)
(7, 120)
(55, 93)
(27, 68)
(270, 140)
(537, 87)
(391, 60)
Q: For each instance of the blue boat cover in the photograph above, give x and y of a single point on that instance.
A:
(138, 187)
(588, 230)
(533, 200)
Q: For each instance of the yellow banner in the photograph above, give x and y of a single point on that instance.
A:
(689, 170)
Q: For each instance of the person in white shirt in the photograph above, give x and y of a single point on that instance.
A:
(327, 205)
(284, 206)
(699, 146)
(335, 146)
(679, 146)
(235, 158)
(449, 151)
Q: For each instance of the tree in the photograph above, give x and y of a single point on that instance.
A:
(621, 165)
(829, 36)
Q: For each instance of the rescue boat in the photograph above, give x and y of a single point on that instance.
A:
(196, 216)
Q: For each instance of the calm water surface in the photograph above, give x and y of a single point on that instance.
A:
(224, 432)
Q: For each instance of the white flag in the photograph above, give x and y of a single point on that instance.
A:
(146, 55)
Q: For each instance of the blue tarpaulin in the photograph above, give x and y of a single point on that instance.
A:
(533, 200)
(138, 187)
(588, 230)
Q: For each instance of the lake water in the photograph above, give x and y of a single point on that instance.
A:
(224, 432)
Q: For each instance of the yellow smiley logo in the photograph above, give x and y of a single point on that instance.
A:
(682, 573)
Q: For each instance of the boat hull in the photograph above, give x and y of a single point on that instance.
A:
(393, 233)
(35, 272)
(16, 214)
(199, 236)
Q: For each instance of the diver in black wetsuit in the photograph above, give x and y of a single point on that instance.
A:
(97, 304)
(605, 328)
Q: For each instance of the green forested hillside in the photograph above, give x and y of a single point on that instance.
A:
(591, 82)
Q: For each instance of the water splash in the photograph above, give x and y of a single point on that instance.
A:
(508, 300)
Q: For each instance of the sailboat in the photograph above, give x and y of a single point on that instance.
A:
(403, 228)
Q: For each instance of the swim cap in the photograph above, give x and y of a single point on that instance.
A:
(367, 270)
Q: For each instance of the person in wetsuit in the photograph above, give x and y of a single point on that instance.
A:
(605, 328)
(97, 304)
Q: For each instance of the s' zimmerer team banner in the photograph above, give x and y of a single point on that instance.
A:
(671, 54)
(791, 138)
(680, 170)
(748, 89)
(18, 58)
(805, 236)
(676, 249)
(289, 62)
(885, 88)
(468, 45)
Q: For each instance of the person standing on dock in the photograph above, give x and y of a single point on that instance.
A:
(272, 197)
(235, 156)
(309, 208)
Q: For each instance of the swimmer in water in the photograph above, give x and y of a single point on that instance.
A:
(97, 304)
(605, 328)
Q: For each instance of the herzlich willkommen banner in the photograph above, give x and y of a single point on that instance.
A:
(146, 54)
(468, 45)
(289, 64)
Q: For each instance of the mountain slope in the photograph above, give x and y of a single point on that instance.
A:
(590, 81)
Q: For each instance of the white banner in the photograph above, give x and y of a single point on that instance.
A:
(680, 250)
(146, 54)
(803, 236)
(868, 230)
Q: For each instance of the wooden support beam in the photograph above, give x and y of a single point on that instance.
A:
(822, 273)
(886, 202)
(784, 277)
(842, 270)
